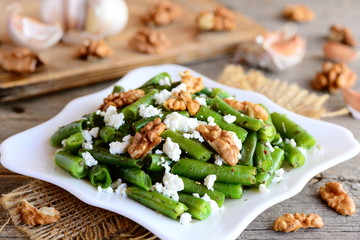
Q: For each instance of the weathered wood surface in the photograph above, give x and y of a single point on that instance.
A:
(37, 110)
(64, 70)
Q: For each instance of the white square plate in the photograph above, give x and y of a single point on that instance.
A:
(29, 153)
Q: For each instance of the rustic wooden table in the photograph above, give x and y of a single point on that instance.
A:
(18, 116)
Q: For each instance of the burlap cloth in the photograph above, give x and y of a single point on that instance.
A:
(81, 221)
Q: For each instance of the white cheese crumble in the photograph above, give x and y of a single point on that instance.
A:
(263, 189)
(178, 122)
(218, 160)
(211, 121)
(196, 195)
(112, 118)
(158, 151)
(172, 185)
(120, 147)
(185, 218)
(86, 135)
(229, 118)
(164, 95)
(268, 145)
(214, 206)
(236, 140)
(119, 188)
(178, 88)
(165, 81)
(87, 145)
(165, 164)
(94, 132)
(278, 175)
(291, 142)
(194, 135)
(89, 160)
(105, 190)
(172, 149)
(201, 100)
(148, 111)
(209, 181)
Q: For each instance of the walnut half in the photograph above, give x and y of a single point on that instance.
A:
(221, 19)
(249, 108)
(92, 49)
(298, 13)
(221, 141)
(180, 101)
(336, 197)
(291, 223)
(193, 84)
(162, 13)
(149, 41)
(121, 99)
(42, 216)
(146, 139)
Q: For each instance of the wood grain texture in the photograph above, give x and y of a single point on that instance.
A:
(39, 109)
(64, 70)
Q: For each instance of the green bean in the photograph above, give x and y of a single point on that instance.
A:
(198, 170)
(155, 80)
(241, 119)
(132, 175)
(99, 175)
(266, 177)
(262, 157)
(107, 134)
(66, 131)
(197, 207)
(74, 165)
(118, 89)
(220, 92)
(103, 155)
(123, 131)
(74, 142)
(291, 130)
(156, 176)
(205, 91)
(248, 150)
(157, 202)
(267, 132)
(132, 111)
(193, 148)
(230, 190)
(277, 139)
(206, 112)
(94, 120)
(152, 162)
(293, 155)
(192, 186)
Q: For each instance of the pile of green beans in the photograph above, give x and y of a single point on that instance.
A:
(266, 145)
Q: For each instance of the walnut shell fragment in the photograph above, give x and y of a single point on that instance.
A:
(221, 19)
(94, 49)
(221, 141)
(180, 101)
(121, 99)
(291, 223)
(337, 198)
(162, 13)
(20, 60)
(249, 108)
(298, 13)
(149, 41)
(145, 140)
(42, 216)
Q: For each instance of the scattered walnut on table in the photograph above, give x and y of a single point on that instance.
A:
(298, 13)
(145, 140)
(94, 49)
(333, 76)
(121, 99)
(221, 19)
(249, 108)
(33, 216)
(291, 223)
(162, 13)
(342, 34)
(337, 198)
(180, 101)
(149, 41)
(221, 141)
(193, 84)
(20, 60)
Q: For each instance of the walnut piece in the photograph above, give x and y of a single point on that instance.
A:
(163, 13)
(121, 99)
(149, 41)
(180, 101)
(193, 84)
(342, 34)
(146, 139)
(94, 49)
(333, 76)
(42, 216)
(20, 60)
(221, 19)
(221, 141)
(291, 223)
(298, 13)
(337, 198)
(249, 108)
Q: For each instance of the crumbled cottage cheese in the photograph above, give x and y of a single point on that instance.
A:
(194, 135)
(112, 118)
(148, 111)
(158, 151)
(164, 95)
(196, 195)
(105, 190)
(172, 185)
(89, 160)
(87, 145)
(218, 160)
(165, 164)
(278, 175)
(119, 188)
(172, 150)
(185, 218)
(263, 188)
(268, 145)
(291, 142)
(165, 81)
(211, 121)
(237, 142)
(94, 132)
(214, 206)
(177, 122)
(86, 135)
(120, 147)
(209, 181)
(201, 100)
(229, 118)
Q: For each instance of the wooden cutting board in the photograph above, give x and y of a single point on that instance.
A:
(64, 70)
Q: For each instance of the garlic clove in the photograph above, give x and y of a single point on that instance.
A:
(30, 33)
(352, 98)
(52, 12)
(339, 52)
(74, 37)
(75, 14)
(106, 17)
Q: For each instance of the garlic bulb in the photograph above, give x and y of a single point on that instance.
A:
(275, 51)
(100, 17)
